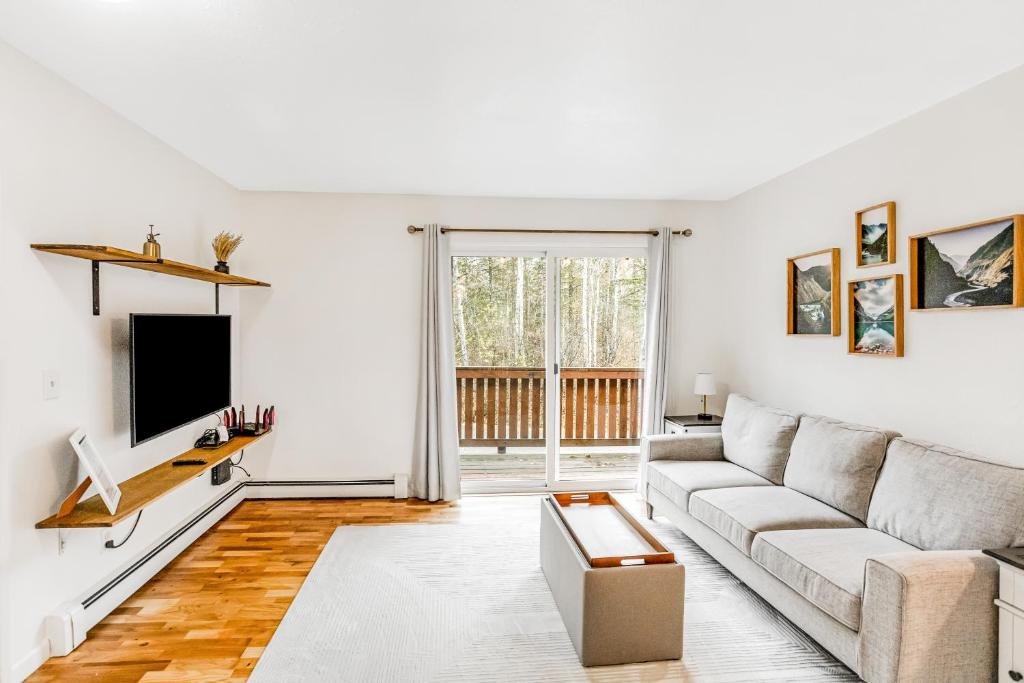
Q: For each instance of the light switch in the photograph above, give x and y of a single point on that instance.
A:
(51, 385)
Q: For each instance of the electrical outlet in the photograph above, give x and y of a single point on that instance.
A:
(51, 385)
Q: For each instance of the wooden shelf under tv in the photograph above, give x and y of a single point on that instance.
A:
(148, 486)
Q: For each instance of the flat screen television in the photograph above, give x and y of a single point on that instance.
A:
(180, 371)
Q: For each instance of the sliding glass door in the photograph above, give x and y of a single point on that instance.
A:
(548, 338)
(500, 322)
(602, 304)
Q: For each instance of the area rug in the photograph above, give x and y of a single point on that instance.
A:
(468, 602)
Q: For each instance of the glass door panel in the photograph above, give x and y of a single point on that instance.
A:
(499, 319)
(602, 312)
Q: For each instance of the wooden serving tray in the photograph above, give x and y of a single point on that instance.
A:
(605, 532)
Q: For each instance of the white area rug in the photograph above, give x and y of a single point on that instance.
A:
(468, 602)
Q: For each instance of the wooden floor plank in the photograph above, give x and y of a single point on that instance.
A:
(209, 614)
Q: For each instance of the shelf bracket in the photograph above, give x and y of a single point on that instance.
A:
(96, 280)
(216, 297)
(95, 287)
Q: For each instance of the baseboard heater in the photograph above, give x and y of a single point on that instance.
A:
(67, 627)
(160, 547)
(347, 482)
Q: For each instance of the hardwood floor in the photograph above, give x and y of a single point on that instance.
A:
(208, 615)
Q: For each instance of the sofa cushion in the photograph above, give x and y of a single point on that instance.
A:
(825, 566)
(738, 514)
(677, 479)
(939, 498)
(758, 437)
(837, 462)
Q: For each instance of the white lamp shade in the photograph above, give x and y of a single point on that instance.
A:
(705, 384)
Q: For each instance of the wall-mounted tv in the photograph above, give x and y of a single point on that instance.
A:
(180, 371)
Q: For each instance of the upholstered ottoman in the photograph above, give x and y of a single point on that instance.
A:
(619, 591)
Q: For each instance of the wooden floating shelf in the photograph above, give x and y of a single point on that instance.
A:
(133, 259)
(146, 487)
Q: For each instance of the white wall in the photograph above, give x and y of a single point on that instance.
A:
(73, 171)
(334, 343)
(961, 380)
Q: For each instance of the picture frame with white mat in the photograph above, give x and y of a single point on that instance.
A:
(96, 472)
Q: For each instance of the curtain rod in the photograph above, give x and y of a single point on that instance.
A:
(685, 232)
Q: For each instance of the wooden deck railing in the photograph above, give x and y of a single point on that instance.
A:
(505, 406)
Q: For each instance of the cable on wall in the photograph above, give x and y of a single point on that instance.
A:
(238, 465)
(111, 544)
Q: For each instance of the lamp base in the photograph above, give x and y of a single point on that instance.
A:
(704, 416)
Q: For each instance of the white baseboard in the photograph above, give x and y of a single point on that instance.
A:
(378, 488)
(67, 628)
(32, 660)
(401, 486)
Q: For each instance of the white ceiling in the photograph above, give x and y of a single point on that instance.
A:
(688, 99)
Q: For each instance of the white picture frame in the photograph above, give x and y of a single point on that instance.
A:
(96, 469)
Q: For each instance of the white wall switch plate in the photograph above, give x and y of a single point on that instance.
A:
(51, 385)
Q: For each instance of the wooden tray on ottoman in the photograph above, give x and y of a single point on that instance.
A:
(607, 535)
(619, 590)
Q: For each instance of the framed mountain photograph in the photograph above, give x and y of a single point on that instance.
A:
(876, 235)
(876, 316)
(813, 293)
(969, 266)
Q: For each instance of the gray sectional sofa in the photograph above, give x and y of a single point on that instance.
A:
(867, 541)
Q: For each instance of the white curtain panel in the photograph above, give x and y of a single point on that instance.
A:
(435, 468)
(659, 295)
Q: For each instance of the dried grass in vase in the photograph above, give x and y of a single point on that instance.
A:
(224, 244)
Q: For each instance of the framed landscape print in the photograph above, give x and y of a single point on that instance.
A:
(969, 266)
(876, 316)
(876, 235)
(813, 293)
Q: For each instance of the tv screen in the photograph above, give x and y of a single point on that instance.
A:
(180, 370)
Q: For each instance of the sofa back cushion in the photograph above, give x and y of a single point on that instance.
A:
(837, 462)
(758, 437)
(939, 498)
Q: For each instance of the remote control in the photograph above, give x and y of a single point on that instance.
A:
(182, 463)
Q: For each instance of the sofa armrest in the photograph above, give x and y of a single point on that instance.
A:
(676, 447)
(682, 447)
(929, 616)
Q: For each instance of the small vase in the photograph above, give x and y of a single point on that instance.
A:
(222, 267)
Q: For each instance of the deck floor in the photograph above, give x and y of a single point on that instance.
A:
(576, 463)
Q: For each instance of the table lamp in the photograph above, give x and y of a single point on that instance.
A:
(704, 386)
